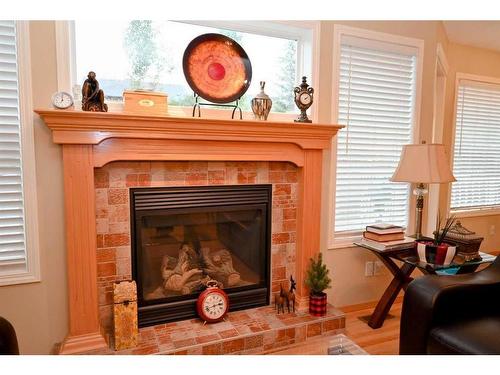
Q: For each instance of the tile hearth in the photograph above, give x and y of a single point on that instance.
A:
(253, 331)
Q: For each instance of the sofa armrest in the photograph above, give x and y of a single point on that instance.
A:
(432, 300)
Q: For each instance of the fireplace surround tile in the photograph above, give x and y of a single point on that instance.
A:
(113, 181)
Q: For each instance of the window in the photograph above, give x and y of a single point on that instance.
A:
(377, 96)
(477, 146)
(122, 62)
(18, 233)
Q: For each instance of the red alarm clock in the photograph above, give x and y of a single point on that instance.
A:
(212, 304)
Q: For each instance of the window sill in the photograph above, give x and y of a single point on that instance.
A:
(348, 242)
(344, 243)
(476, 212)
(24, 278)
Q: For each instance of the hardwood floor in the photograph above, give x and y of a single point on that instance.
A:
(384, 340)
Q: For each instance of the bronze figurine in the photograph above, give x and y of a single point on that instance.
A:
(290, 295)
(92, 95)
(279, 300)
(285, 298)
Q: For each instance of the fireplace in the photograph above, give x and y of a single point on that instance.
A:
(184, 236)
(97, 217)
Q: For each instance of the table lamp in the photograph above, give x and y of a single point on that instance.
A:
(423, 164)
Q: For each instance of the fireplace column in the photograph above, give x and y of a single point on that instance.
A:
(84, 328)
(308, 218)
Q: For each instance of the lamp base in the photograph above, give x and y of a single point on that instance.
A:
(419, 191)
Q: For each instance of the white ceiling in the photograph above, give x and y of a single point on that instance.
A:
(483, 34)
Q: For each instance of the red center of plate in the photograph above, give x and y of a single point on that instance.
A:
(216, 71)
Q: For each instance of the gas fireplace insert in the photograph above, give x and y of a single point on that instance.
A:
(184, 236)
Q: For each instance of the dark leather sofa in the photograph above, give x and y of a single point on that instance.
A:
(452, 314)
(8, 338)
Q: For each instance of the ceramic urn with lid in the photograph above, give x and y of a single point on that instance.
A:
(261, 104)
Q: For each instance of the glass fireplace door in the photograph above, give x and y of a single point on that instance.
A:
(179, 252)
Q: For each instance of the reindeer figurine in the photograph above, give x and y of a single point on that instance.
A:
(290, 295)
(279, 300)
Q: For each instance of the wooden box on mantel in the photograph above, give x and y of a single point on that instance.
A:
(145, 102)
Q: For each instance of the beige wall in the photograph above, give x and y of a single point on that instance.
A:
(347, 265)
(466, 59)
(39, 312)
(350, 286)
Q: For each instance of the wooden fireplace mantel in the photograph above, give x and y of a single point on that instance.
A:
(90, 140)
(71, 127)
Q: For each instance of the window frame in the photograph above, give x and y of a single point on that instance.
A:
(339, 32)
(26, 130)
(470, 212)
(441, 70)
(307, 34)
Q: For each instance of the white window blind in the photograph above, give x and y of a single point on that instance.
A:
(12, 236)
(377, 89)
(477, 147)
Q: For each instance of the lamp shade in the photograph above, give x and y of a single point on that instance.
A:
(425, 163)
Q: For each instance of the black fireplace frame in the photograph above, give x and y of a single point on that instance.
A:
(219, 197)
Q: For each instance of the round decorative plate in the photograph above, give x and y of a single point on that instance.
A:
(217, 68)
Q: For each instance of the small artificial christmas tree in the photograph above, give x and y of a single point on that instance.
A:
(317, 278)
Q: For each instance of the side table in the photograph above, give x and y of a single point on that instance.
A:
(401, 275)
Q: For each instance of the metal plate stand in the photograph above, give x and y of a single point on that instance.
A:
(198, 105)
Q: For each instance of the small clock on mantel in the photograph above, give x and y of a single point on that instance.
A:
(62, 100)
(303, 99)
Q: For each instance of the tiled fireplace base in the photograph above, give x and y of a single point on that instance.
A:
(253, 331)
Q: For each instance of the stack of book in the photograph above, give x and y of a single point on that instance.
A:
(386, 237)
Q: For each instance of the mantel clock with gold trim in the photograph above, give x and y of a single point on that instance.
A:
(303, 99)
